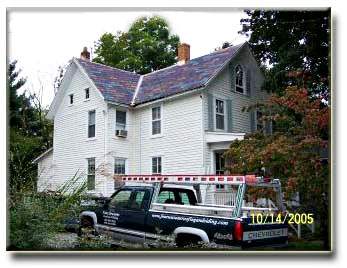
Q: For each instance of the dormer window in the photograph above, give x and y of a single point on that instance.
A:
(86, 93)
(71, 99)
(239, 79)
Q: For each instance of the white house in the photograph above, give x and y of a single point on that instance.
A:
(178, 120)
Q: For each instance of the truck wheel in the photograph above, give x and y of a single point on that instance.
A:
(187, 241)
(86, 228)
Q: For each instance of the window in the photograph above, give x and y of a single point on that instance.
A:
(156, 120)
(156, 165)
(91, 174)
(87, 93)
(91, 124)
(219, 114)
(239, 83)
(166, 196)
(184, 198)
(259, 121)
(119, 166)
(121, 119)
(137, 201)
(71, 98)
(120, 200)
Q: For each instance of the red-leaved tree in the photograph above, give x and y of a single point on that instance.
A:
(293, 153)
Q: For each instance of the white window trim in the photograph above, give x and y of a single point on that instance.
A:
(243, 80)
(126, 165)
(86, 99)
(162, 164)
(91, 191)
(96, 123)
(126, 119)
(215, 113)
(161, 134)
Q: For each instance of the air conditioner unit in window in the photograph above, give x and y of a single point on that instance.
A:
(121, 133)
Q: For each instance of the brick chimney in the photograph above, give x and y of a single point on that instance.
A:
(85, 55)
(183, 54)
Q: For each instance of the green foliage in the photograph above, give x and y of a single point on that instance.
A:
(146, 47)
(293, 153)
(36, 219)
(30, 133)
(291, 41)
(22, 172)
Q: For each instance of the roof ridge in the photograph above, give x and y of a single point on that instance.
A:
(108, 66)
(176, 65)
(136, 90)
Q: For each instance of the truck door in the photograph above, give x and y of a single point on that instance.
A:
(125, 216)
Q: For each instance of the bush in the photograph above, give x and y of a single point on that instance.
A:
(35, 219)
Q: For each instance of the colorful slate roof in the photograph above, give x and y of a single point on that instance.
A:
(114, 84)
(119, 86)
(181, 78)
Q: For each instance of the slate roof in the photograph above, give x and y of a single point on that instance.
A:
(119, 86)
(114, 84)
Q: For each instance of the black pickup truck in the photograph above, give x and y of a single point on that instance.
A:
(155, 212)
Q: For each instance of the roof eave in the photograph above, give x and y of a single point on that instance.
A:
(225, 64)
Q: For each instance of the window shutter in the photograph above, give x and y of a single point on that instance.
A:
(252, 118)
(232, 77)
(229, 116)
(268, 128)
(210, 112)
(248, 82)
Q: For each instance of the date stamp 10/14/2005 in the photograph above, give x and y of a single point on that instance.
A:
(293, 218)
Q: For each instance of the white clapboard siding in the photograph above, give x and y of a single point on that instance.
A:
(220, 87)
(45, 180)
(180, 145)
(71, 145)
(119, 147)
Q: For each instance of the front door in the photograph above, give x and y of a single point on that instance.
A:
(219, 162)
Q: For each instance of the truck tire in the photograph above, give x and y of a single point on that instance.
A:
(188, 241)
(86, 228)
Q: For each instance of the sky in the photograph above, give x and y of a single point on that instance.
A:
(41, 41)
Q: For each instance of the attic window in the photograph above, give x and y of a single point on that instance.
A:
(239, 79)
(87, 93)
(71, 99)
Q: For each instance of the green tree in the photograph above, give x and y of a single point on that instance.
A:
(30, 133)
(291, 43)
(146, 47)
(15, 101)
(293, 153)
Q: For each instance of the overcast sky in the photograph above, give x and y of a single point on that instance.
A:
(41, 41)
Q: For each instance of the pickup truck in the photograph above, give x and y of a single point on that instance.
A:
(149, 213)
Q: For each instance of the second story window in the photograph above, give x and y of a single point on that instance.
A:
(71, 99)
(156, 165)
(156, 120)
(121, 117)
(239, 79)
(86, 91)
(91, 124)
(219, 114)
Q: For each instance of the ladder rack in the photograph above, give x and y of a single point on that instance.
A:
(200, 179)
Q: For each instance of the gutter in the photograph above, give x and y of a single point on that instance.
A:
(42, 155)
